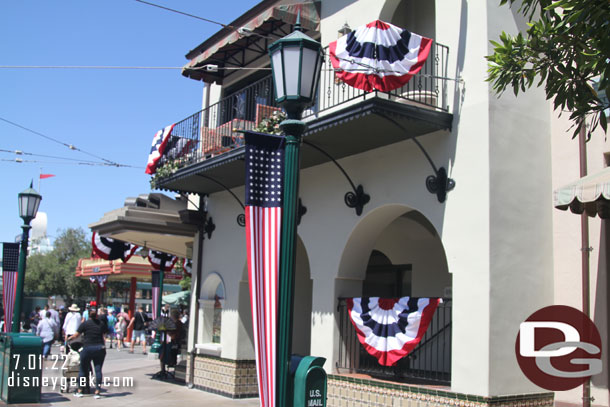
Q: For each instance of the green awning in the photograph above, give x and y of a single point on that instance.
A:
(179, 298)
(590, 194)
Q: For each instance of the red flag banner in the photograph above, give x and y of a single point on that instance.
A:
(10, 263)
(264, 178)
(43, 176)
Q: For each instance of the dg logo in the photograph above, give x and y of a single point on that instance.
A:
(559, 348)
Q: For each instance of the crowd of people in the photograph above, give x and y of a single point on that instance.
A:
(98, 326)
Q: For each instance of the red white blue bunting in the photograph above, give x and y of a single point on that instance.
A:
(378, 56)
(159, 144)
(390, 328)
(159, 259)
(112, 249)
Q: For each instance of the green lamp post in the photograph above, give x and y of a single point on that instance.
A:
(29, 201)
(296, 64)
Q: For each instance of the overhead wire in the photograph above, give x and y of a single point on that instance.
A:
(70, 146)
(20, 152)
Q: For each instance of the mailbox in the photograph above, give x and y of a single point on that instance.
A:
(310, 383)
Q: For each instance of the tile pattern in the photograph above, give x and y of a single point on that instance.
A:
(230, 378)
(344, 391)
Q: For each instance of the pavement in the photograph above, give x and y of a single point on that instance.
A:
(130, 383)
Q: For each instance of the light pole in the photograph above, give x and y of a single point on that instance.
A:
(296, 63)
(29, 201)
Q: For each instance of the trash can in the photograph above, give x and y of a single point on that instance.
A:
(21, 375)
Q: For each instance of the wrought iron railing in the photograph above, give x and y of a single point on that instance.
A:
(211, 131)
(428, 363)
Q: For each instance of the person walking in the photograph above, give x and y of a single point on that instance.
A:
(120, 329)
(111, 324)
(72, 321)
(34, 319)
(94, 350)
(138, 323)
(47, 329)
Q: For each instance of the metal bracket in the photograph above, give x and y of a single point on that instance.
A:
(355, 199)
(302, 210)
(439, 183)
(241, 218)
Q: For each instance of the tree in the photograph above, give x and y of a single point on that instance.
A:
(567, 48)
(52, 273)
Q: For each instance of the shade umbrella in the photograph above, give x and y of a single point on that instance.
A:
(179, 298)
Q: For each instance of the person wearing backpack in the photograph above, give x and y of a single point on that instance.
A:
(139, 323)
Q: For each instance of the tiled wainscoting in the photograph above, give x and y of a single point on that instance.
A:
(345, 391)
(229, 378)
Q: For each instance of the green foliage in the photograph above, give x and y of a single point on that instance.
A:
(185, 283)
(566, 49)
(53, 273)
(271, 125)
(165, 170)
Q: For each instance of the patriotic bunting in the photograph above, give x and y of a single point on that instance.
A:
(112, 249)
(264, 178)
(378, 56)
(10, 264)
(187, 267)
(390, 328)
(159, 259)
(159, 144)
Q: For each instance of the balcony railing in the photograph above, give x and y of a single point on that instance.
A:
(428, 363)
(211, 131)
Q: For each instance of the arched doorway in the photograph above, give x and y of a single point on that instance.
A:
(395, 251)
(212, 301)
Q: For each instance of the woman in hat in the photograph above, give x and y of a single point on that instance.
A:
(72, 321)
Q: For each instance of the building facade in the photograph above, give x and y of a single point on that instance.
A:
(437, 189)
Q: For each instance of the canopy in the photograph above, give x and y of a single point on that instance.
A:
(179, 298)
(590, 194)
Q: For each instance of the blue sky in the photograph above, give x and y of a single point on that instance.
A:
(113, 114)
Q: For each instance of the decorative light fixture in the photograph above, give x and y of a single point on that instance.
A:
(344, 30)
(29, 201)
(296, 62)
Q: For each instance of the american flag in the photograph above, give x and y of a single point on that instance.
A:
(264, 178)
(10, 263)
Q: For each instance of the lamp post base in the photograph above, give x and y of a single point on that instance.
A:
(156, 346)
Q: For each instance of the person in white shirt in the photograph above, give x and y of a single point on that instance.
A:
(47, 329)
(72, 321)
(54, 314)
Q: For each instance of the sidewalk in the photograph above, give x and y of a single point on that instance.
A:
(120, 367)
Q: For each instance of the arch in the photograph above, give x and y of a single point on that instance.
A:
(212, 301)
(404, 236)
(213, 286)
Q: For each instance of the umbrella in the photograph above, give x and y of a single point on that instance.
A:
(179, 298)
(163, 324)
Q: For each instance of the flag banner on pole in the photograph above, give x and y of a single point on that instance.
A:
(159, 259)
(159, 144)
(390, 328)
(156, 280)
(43, 176)
(10, 265)
(378, 56)
(112, 249)
(264, 179)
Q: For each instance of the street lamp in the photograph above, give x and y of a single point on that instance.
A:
(296, 64)
(29, 201)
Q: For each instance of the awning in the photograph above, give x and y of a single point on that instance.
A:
(590, 194)
(223, 51)
(151, 221)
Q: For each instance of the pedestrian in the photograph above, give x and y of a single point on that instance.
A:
(47, 329)
(120, 329)
(72, 321)
(170, 345)
(111, 324)
(34, 319)
(94, 350)
(138, 323)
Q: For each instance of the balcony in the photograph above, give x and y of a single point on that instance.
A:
(209, 138)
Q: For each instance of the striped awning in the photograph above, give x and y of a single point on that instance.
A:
(590, 194)
(286, 13)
